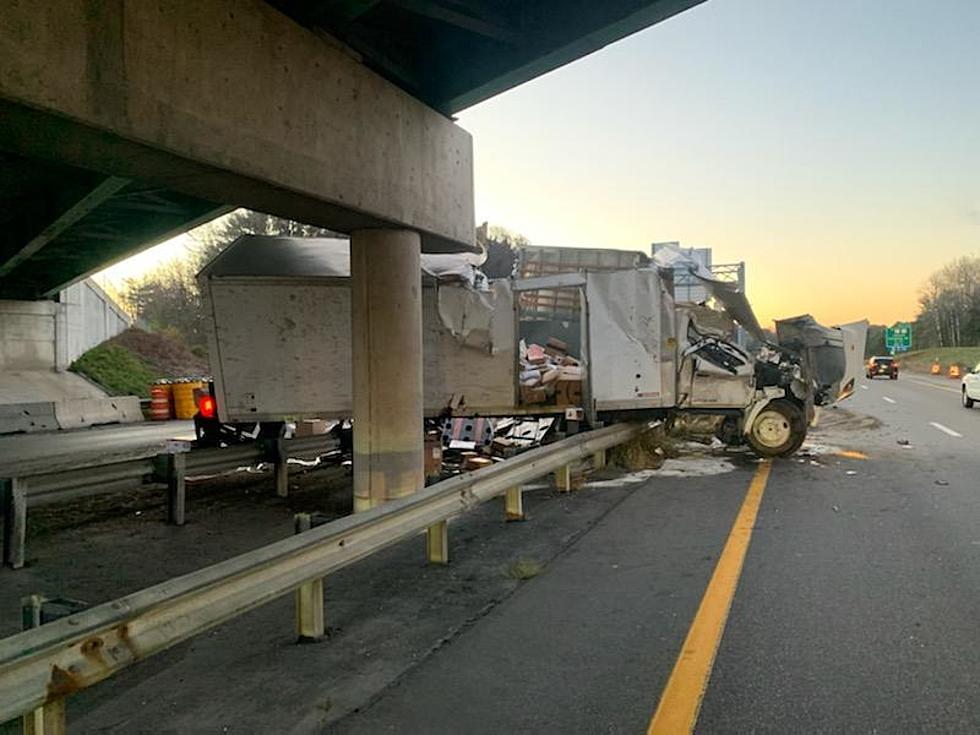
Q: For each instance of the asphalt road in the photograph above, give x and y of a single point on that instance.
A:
(856, 609)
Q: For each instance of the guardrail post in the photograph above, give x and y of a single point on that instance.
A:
(437, 543)
(563, 478)
(48, 719)
(13, 498)
(599, 459)
(281, 467)
(310, 625)
(172, 469)
(514, 503)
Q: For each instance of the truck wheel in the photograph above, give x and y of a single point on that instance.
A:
(778, 430)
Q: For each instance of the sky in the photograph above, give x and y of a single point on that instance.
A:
(834, 146)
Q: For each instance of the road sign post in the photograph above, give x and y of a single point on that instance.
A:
(898, 338)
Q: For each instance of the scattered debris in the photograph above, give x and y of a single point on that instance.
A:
(942, 482)
(475, 462)
(645, 452)
(851, 472)
(815, 450)
(852, 454)
(694, 466)
(522, 569)
(469, 431)
(523, 433)
(836, 509)
(698, 428)
(466, 444)
(904, 442)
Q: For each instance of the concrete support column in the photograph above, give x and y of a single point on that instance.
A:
(386, 324)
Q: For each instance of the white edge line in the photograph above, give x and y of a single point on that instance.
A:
(945, 429)
(890, 400)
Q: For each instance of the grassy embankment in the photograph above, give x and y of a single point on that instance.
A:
(921, 360)
(117, 369)
(128, 363)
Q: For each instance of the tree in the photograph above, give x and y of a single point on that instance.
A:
(501, 246)
(876, 341)
(949, 306)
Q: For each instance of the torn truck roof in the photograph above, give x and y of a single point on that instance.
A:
(316, 257)
(734, 301)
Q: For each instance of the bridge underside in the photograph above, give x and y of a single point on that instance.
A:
(59, 222)
(289, 79)
(452, 54)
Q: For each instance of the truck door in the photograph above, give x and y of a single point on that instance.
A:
(624, 335)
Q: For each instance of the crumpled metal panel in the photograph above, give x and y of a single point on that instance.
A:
(734, 301)
(822, 349)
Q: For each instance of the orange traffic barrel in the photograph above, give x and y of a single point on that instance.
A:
(160, 395)
(954, 371)
(184, 404)
(936, 368)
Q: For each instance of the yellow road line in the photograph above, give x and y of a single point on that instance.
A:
(681, 698)
(852, 454)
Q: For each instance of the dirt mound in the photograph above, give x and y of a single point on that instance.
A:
(166, 357)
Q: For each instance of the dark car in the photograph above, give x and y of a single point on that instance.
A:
(882, 366)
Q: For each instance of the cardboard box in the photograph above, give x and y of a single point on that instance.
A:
(532, 396)
(312, 427)
(568, 393)
(433, 456)
(536, 355)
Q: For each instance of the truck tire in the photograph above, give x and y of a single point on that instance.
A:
(778, 430)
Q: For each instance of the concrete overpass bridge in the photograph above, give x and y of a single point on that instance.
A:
(125, 123)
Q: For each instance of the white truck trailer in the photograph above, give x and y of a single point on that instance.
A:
(279, 312)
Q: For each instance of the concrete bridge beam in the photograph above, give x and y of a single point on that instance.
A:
(232, 102)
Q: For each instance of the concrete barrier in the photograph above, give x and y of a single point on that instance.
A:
(80, 412)
(20, 417)
(72, 413)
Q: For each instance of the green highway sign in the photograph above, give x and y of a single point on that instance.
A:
(899, 337)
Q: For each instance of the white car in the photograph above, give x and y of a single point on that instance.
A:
(970, 387)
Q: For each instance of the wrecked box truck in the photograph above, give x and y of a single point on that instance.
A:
(590, 332)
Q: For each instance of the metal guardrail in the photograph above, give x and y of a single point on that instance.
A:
(68, 485)
(214, 460)
(40, 667)
(124, 471)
